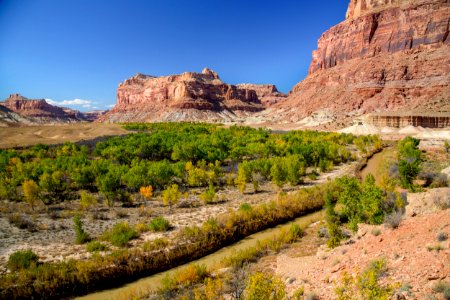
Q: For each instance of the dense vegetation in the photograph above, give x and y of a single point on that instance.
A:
(167, 154)
(165, 159)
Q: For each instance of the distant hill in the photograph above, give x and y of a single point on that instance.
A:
(19, 110)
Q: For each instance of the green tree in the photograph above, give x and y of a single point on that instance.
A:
(243, 176)
(372, 200)
(350, 198)
(278, 173)
(262, 286)
(31, 192)
(332, 223)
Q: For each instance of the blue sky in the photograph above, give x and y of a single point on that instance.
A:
(77, 52)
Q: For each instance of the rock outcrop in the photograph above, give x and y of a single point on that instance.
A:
(399, 121)
(39, 111)
(387, 55)
(268, 94)
(10, 118)
(187, 97)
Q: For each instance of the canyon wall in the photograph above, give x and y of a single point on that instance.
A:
(186, 97)
(39, 111)
(398, 121)
(386, 56)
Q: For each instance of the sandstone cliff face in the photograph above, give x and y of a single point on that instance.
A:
(268, 94)
(39, 111)
(388, 55)
(185, 97)
(398, 121)
(10, 118)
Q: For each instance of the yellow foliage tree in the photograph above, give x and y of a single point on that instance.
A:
(30, 192)
(264, 286)
(146, 192)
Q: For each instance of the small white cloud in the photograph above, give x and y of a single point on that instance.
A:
(111, 105)
(73, 102)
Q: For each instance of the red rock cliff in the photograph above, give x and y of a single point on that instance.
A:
(40, 111)
(387, 55)
(188, 96)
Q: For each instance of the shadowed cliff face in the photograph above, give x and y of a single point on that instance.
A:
(387, 55)
(187, 97)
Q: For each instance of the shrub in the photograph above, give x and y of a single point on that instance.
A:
(156, 244)
(332, 223)
(209, 196)
(366, 284)
(159, 224)
(22, 259)
(22, 222)
(442, 236)
(120, 214)
(439, 181)
(298, 294)
(81, 235)
(95, 246)
(311, 296)
(376, 231)
(264, 286)
(245, 207)
(146, 192)
(393, 219)
(441, 201)
(442, 287)
(87, 200)
(171, 195)
(120, 234)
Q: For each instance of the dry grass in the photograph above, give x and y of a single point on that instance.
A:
(55, 134)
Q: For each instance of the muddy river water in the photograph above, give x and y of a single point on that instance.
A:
(153, 282)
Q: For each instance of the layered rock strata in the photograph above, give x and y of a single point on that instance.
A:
(268, 94)
(399, 121)
(387, 55)
(185, 97)
(39, 111)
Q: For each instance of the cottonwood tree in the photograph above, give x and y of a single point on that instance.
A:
(30, 192)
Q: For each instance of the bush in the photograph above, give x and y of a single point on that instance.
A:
(376, 231)
(22, 222)
(264, 286)
(156, 244)
(159, 224)
(366, 284)
(441, 201)
(87, 200)
(120, 234)
(209, 196)
(393, 219)
(81, 235)
(171, 195)
(95, 246)
(443, 287)
(442, 236)
(22, 259)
